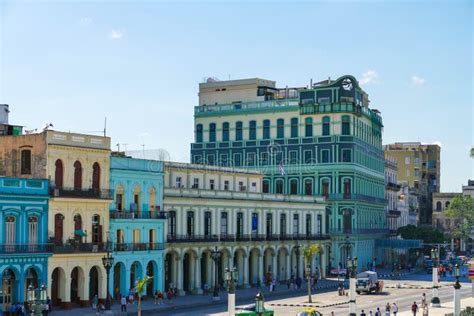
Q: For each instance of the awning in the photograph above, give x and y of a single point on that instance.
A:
(80, 232)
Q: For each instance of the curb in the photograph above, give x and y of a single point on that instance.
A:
(311, 305)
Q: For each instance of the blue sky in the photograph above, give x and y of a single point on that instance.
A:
(139, 64)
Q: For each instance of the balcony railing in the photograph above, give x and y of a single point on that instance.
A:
(340, 107)
(81, 193)
(80, 247)
(393, 186)
(137, 214)
(25, 248)
(243, 237)
(358, 231)
(352, 196)
(138, 247)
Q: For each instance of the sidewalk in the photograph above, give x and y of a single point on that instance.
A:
(190, 301)
(445, 308)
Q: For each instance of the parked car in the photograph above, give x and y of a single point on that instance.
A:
(309, 312)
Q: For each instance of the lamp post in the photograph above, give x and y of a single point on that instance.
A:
(215, 255)
(457, 294)
(34, 298)
(108, 262)
(308, 279)
(259, 304)
(352, 269)
(231, 274)
(435, 301)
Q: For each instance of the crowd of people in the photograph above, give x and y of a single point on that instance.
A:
(393, 309)
(22, 309)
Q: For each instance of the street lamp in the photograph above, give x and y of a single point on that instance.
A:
(231, 274)
(308, 279)
(259, 304)
(33, 297)
(108, 262)
(457, 295)
(215, 255)
(351, 271)
(435, 301)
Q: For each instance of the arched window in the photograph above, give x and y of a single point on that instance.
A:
(294, 127)
(77, 175)
(212, 132)
(225, 132)
(58, 173)
(308, 187)
(266, 186)
(293, 186)
(347, 188)
(438, 206)
(446, 205)
(199, 133)
(78, 233)
(96, 177)
(326, 125)
(238, 131)
(119, 196)
(280, 128)
(266, 129)
(325, 188)
(308, 127)
(345, 125)
(152, 199)
(33, 230)
(252, 130)
(279, 186)
(10, 230)
(58, 227)
(136, 205)
(26, 161)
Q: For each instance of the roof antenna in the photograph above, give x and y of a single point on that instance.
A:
(329, 79)
(311, 83)
(105, 127)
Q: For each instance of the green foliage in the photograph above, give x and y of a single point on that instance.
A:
(142, 283)
(461, 211)
(310, 250)
(427, 234)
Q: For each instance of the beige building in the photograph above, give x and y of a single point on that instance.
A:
(419, 167)
(223, 208)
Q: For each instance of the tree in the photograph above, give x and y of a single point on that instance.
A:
(461, 211)
(308, 253)
(140, 287)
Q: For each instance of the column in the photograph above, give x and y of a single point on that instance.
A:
(301, 265)
(127, 280)
(275, 271)
(197, 275)
(209, 275)
(67, 290)
(324, 263)
(179, 277)
(245, 260)
(261, 273)
(288, 266)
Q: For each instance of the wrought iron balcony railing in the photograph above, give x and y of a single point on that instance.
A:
(138, 247)
(25, 248)
(81, 193)
(358, 231)
(80, 247)
(137, 214)
(171, 238)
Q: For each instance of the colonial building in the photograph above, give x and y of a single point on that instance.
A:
(321, 140)
(391, 194)
(261, 234)
(78, 168)
(23, 242)
(418, 166)
(137, 223)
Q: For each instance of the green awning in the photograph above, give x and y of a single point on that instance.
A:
(80, 232)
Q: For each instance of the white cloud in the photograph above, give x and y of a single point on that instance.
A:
(85, 21)
(370, 76)
(417, 81)
(115, 34)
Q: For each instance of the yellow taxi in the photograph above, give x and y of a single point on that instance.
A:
(309, 312)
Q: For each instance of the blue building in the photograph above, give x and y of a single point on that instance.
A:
(24, 250)
(137, 223)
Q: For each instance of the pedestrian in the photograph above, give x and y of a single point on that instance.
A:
(425, 310)
(414, 308)
(362, 313)
(123, 304)
(378, 313)
(370, 313)
(395, 309)
(131, 297)
(50, 304)
(169, 294)
(45, 309)
(423, 300)
(160, 297)
(95, 301)
(387, 309)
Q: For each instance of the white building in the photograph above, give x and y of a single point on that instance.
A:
(391, 194)
(261, 234)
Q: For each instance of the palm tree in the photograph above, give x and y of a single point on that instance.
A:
(308, 252)
(140, 287)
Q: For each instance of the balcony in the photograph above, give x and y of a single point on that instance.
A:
(358, 231)
(138, 247)
(206, 110)
(392, 186)
(137, 214)
(68, 248)
(351, 196)
(81, 193)
(340, 107)
(394, 213)
(243, 237)
(25, 249)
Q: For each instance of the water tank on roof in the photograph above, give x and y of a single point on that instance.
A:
(4, 113)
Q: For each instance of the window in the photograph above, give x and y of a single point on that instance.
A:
(199, 133)
(211, 184)
(294, 127)
(279, 186)
(224, 223)
(237, 160)
(33, 230)
(26, 161)
(308, 156)
(319, 224)
(347, 188)
(96, 229)
(96, 177)
(446, 205)
(438, 206)
(223, 159)
(77, 175)
(266, 186)
(345, 125)
(207, 224)
(178, 182)
(283, 224)
(210, 159)
(190, 224)
(264, 158)
(325, 156)
(225, 132)
(238, 131)
(266, 129)
(296, 224)
(254, 187)
(226, 185)
(280, 128)
(240, 224)
(172, 223)
(252, 130)
(308, 187)
(242, 186)
(196, 183)
(293, 157)
(269, 224)
(250, 159)
(293, 186)
(325, 188)
(254, 224)
(326, 125)
(308, 127)
(212, 132)
(10, 230)
(119, 201)
(346, 155)
(308, 224)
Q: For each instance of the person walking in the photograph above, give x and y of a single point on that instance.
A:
(423, 300)
(95, 301)
(387, 309)
(414, 308)
(362, 313)
(370, 313)
(123, 304)
(378, 313)
(395, 309)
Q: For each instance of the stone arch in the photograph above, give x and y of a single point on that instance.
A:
(77, 279)
(152, 271)
(58, 285)
(284, 270)
(95, 284)
(255, 266)
(136, 272)
(119, 281)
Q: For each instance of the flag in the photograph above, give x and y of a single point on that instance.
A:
(281, 168)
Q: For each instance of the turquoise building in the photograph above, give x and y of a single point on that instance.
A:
(322, 139)
(137, 223)
(24, 250)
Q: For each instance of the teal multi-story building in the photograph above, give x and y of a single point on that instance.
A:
(137, 223)
(24, 250)
(317, 140)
